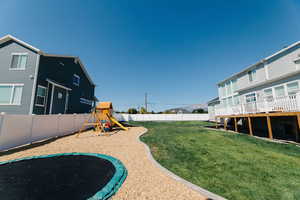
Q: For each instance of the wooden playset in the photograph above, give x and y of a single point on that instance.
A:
(101, 119)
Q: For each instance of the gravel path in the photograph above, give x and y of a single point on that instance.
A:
(144, 181)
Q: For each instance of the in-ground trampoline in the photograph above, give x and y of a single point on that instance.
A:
(61, 176)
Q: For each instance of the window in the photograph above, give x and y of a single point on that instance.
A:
(18, 61)
(223, 90)
(279, 91)
(236, 100)
(268, 94)
(292, 88)
(252, 75)
(234, 85)
(76, 80)
(220, 90)
(40, 96)
(228, 88)
(11, 94)
(251, 97)
(229, 101)
(86, 101)
(224, 102)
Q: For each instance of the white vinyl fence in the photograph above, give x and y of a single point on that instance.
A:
(16, 130)
(162, 117)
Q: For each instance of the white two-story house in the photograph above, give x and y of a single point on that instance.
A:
(270, 85)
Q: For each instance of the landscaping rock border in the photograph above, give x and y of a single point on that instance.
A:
(202, 191)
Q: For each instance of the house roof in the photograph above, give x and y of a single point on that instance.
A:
(95, 99)
(261, 61)
(214, 100)
(10, 37)
(104, 105)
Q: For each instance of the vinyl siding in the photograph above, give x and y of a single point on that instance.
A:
(61, 70)
(25, 77)
(243, 80)
(259, 90)
(284, 63)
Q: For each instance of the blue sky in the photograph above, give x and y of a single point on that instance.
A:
(176, 51)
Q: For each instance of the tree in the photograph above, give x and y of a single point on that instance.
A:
(143, 110)
(132, 111)
(199, 110)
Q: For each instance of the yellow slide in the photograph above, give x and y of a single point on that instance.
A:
(118, 123)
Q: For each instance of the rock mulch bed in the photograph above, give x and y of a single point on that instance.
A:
(144, 181)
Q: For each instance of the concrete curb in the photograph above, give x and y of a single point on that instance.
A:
(194, 187)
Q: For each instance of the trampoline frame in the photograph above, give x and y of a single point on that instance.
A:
(109, 189)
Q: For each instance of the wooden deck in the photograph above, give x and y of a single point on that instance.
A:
(268, 116)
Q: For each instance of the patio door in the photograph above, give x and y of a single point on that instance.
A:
(59, 101)
(59, 95)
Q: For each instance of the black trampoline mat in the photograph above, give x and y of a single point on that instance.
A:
(60, 177)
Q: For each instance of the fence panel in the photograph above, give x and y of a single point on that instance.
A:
(66, 124)
(44, 127)
(15, 130)
(162, 117)
(79, 120)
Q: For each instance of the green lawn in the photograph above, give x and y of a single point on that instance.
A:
(234, 166)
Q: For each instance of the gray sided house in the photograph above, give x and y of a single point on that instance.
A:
(269, 85)
(33, 82)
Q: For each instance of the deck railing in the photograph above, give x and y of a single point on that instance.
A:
(290, 103)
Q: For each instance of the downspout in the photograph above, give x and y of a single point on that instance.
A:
(34, 84)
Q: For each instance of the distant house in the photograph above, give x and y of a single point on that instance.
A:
(270, 85)
(177, 111)
(34, 82)
(264, 98)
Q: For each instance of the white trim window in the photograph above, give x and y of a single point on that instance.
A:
(236, 100)
(18, 61)
(250, 97)
(224, 102)
(228, 88)
(268, 94)
(279, 91)
(229, 101)
(86, 101)
(252, 75)
(292, 88)
(11, 94)
(234, 85)
(76, 79)
(41, 96)
(222, 90)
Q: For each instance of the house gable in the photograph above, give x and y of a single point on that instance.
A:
(62, 70)
(24, 76)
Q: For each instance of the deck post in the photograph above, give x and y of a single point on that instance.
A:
(235, 125)
(298, 129)
(269, 127)
(250, 126)
(225, 123)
